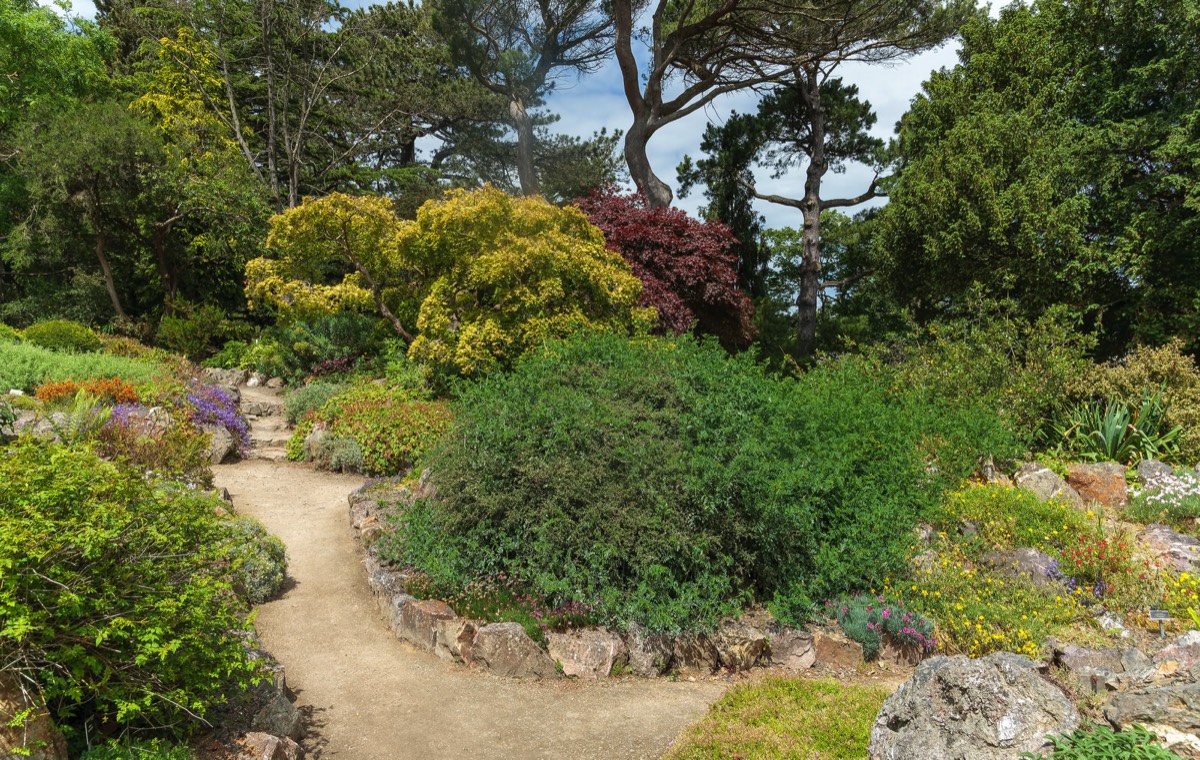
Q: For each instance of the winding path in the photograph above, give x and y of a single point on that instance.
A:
(372, 697)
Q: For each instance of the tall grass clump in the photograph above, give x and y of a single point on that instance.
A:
(24, 367)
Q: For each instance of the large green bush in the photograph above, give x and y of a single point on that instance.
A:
(24, 367)
(62, 335)
(663, 482)
(113, 591)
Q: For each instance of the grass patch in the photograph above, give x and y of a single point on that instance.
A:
(24, 367)
(785, 718)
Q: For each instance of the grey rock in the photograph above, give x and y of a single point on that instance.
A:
(1172, 711)
(1185, 651)
(1046, 484)
(1152, 469)
(1182, 552)
(253, 408)
(649, 654)
(740, 645)
(220, 446)
(834, 650)
(793, 649)
(38, 736)
(956, 708)
(312, 441)
(1025, 562)
(452, 636)
(275, 383)
(225, 377)
(506, 650)
(993, 475)
(1092, 669)
(587, 652)
(279, 717)
(393, 608)
(256, 380)
(1111, 621)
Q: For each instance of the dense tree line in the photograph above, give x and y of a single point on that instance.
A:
(142, 154)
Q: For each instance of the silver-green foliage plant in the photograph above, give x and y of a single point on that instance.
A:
(259, 558)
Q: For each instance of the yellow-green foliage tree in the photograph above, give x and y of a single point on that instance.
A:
(474, 282)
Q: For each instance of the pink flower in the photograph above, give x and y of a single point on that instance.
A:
(886, 613)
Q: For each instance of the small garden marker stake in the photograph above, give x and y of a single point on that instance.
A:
(1161, 616)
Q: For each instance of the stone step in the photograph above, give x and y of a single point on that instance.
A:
(270, 453)
(267, 441)
(261, 408)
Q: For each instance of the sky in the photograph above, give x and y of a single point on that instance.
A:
(597, 101)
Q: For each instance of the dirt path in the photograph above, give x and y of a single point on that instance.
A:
(372, 696)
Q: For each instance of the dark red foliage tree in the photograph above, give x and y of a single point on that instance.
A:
(686, 266)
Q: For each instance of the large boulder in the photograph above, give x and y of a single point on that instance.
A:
(230, 378)
(1170, 711)
(586, 652)
(419, 620)
(506, 650)
(220, 445)
(1102, 482)
(695, 654)
(1184, 652)
(1046, 484)
(954, 708)
(1182, 552)
(260, 746)
(36, 737)
(740, 645)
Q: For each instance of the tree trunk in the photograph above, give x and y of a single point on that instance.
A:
(161, 232)
(106, 269)
(524, 127)
(810, 266)
(657, 193)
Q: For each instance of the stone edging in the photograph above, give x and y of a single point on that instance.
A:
(505, 649)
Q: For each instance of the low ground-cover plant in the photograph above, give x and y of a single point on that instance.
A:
(783, 718)
(499, 598)
(1102, 743)
(138, 750)
(978, 612)
(666, 483)
(1167, 498)
(212, 405)
(1004, 517)
(112, 390)
(24, 367)
(115, 596)
(865, 618)
(62, 335)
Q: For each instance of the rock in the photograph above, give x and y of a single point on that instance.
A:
(1184, 651)
(1103, 482)
(1046, 484)
(260, 746)
(1031, 564)
(793, 649)
(649, 654)
(905, 653)
(992, 475)
(1111, 622)
(587, 652)
(1183, 552)
(275, 383)
(1092, 669)
(452, 636)
(221, 445)
(953, 708)
(256, 379)
(836, 651)
(506, 650)
(1172, 710)
(38, 736)
(226, 377)
(252, 408)
(279, 717)
(695, 654)
(1152, 469)
(312, 442)
(419, 620)
(740, 645)
(393, 609)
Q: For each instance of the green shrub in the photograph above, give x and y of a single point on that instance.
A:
(193, 330)
(663, 482)
(178, 450)
(114, 591)
(785, 718)
(325, 344)
(338, 454)
(1102, 743)
(1166, 367)
(231, 355)
(9, 335)
(259, 559)
(24, 367)
(309, 398)
(138, 750)
(62, 335)
(1114, 431)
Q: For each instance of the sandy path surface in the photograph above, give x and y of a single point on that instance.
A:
(370, 697)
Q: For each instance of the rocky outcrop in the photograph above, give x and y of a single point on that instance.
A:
(793, 650)
(419, 621)
(1046, 484)
(1152, 469)
(1102, 482)
(36, 737)
(740, 645)
(696, 655)
(260, 746)
(992, 708)
(1182, 552)
(834, 650)
(1170, 711)
(649, 654)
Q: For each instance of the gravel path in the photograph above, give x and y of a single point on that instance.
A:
(371, 696)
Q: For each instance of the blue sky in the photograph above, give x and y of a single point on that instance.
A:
(597, 101)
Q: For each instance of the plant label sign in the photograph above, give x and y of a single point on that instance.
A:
(1160, 615)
